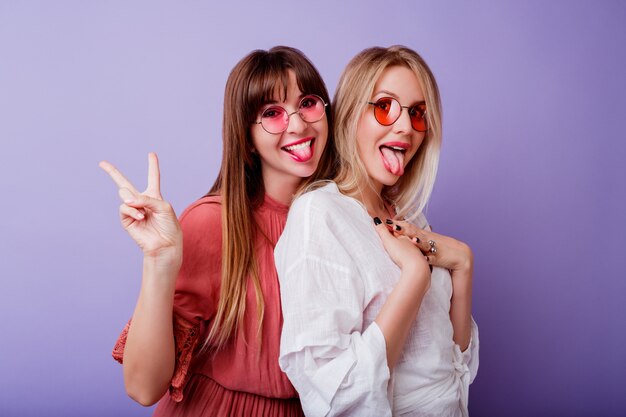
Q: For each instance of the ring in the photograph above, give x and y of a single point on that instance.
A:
(433, 249)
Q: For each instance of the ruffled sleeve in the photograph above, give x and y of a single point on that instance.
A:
(186, 338)
(118, 349)
(197, 287)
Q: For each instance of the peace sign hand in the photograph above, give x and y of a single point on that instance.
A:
(147, 218)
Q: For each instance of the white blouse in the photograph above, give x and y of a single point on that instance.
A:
(335, 276)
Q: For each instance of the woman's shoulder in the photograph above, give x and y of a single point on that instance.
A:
(209, 206)
(324, 200)
(204, 211)
(319, 213)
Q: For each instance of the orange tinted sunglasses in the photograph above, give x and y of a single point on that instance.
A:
(387, 111)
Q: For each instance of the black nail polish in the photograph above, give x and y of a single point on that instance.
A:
(389, 221)
(417, 240)
(398, 227)
(377, 221)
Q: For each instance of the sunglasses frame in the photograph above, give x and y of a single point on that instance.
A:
(260, 122)
(375, 103)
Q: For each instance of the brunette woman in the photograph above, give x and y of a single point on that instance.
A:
(208, 320)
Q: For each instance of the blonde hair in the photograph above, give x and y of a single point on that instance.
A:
(252, 83)
(356, 85)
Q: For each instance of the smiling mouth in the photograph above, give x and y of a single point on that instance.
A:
(393, 157)
(300, 151)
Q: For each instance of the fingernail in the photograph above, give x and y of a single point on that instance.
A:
(389, 221)
(417, 240)
(140, 216)
(398, 227)
(377, 221)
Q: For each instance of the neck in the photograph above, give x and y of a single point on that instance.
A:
(373, 201)
(282, 191)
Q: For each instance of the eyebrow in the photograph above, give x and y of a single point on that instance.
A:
(389, 93)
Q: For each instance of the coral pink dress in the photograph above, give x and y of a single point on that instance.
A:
(244, 378)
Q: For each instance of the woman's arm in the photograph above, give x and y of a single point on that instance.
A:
(399, 311)
(337, 364)
(149, 348)
(461, 303)
(149, 352)
(455, 256)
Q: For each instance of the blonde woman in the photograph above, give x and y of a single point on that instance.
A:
(207, 322)
(369, 329)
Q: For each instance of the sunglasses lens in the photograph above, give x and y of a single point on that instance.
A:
(311, 108)
(387, 111)
(418, 118)
(274, 119)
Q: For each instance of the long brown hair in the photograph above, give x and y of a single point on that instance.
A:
(253, 82)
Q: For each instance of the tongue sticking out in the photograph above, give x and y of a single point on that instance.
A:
(393, 160)
(301, 153)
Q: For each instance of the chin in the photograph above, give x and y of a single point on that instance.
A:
(304, 172)
(390, 183)
(387, 179)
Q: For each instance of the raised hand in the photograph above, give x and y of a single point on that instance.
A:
(148, 219)
(448, 252)
(401, 249)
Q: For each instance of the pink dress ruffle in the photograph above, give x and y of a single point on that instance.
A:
(186, 337)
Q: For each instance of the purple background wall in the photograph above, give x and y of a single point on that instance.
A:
(532, 176)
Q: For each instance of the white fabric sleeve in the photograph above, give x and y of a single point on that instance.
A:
(337, 369)
(470, 355)
(334, 359)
